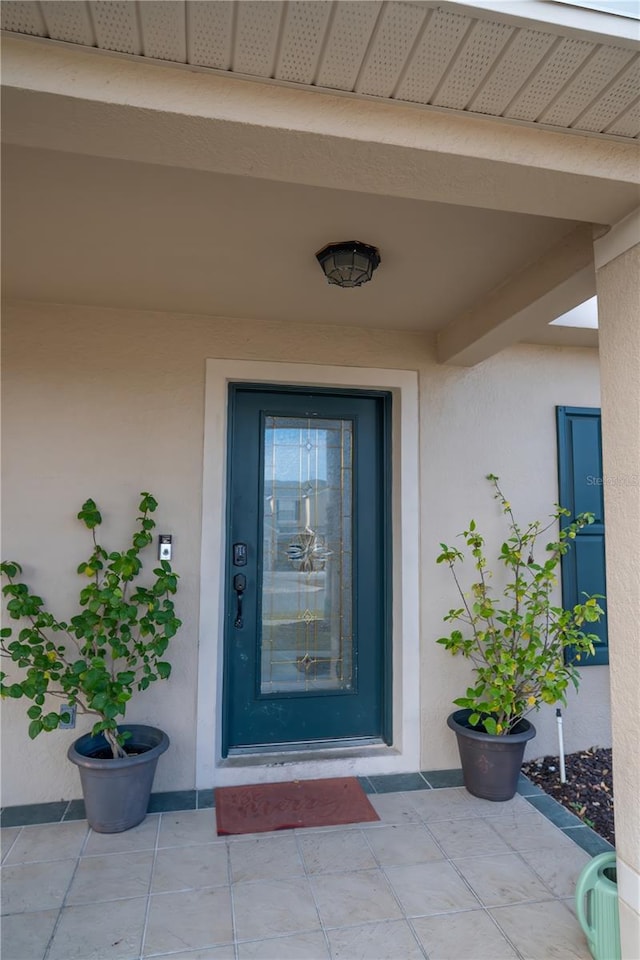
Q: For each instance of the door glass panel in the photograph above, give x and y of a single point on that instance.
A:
(307, 644)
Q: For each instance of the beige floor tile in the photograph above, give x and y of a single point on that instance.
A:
(352, 898)
(427, 888)
(543, 931)
(184, 868)
(142, 837)
(529, 894)
(400, 844)
(503, 879)
(463, 936)
(8, 836)
(266, 858)
(87, 933)
(530, 831)
(59, 841)
(186, 827)
(310, 946)
(338, 852)
(25, 935)
(35, 886)
(115, 877)
(392, 808)
(467, 838)
(570, 904)
(272, 908)
(389, 940)
(189, 920)
(449, 804)
(515, 807)
(559, 868)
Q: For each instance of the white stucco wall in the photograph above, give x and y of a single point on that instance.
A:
(618, 280)
(498, 417)
(105, 403)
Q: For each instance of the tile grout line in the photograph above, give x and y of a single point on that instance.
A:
(521, 855)
(403, 912)
(232, 904)
(504, 934)
(298, 840)
(147, 909)
(11, 846)
(64, 899)
(515, 850)
(451, 913)
(484, 908)
(88, 856)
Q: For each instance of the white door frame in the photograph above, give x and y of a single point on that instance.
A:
(404, 752)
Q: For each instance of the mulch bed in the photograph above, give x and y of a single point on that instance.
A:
(588, 792)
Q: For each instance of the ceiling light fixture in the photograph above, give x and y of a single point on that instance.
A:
(349, 263)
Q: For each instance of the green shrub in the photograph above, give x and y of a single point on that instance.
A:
(114, 645)
(517, 642)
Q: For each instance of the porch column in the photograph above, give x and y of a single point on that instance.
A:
(617, 260)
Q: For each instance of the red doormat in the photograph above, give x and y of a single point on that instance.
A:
(298, 803)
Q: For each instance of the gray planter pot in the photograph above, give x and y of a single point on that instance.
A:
(116, 792)
(490, 764)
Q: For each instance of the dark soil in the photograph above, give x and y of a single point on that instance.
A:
(104, 753)
(588, 792)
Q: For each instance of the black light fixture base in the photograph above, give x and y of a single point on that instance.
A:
(349, 263)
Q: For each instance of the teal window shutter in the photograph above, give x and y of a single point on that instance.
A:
(581, 489)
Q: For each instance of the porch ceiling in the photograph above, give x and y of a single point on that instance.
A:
(83, 229)
(156, 159)
(534, 63)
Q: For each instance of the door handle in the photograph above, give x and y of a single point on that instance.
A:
(239, 585)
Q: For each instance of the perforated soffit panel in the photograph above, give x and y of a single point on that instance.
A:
(412, 52)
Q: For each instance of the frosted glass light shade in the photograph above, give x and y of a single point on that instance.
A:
(348, 264)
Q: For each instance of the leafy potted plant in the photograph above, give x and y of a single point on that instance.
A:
(518, 643)
(112, 646)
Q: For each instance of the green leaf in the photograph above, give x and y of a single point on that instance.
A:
(126, 677)
(99, 701)
(90, 515)
(50, 721)
(35, 727)
(111, 710)
(148, 503)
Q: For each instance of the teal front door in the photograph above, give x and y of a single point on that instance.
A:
(307, 581)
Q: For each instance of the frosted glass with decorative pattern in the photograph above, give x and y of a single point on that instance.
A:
(306, 602)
